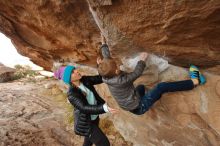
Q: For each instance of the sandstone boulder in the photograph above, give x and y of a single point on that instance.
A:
(182, 32)
(6, 73)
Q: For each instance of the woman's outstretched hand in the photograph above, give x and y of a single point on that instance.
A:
(112, 110)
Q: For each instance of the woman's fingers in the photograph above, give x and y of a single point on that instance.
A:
(111, 110)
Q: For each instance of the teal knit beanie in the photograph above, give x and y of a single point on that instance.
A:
(67, 74)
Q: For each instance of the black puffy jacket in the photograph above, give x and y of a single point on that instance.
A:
(82, 109)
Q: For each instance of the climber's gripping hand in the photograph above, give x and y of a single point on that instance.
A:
(143, 56)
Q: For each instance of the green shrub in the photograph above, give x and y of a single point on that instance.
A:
(23, 71)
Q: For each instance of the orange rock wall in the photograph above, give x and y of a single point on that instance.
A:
(180, 31)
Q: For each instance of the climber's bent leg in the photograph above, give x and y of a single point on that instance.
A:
(153, 95)
(140, 89)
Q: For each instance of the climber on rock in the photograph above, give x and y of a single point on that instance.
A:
(87, 103)
(136, 99)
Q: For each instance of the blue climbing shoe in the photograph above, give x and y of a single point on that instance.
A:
(196, 74)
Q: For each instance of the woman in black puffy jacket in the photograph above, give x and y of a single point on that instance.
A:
(87, 105)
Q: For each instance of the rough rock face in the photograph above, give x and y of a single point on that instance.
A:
(181, 31)
(6, 73)
(50, 30)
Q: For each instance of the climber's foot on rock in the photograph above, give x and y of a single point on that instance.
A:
(196, 75)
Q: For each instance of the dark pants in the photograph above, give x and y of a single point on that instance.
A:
(96, 137)
(150, 97)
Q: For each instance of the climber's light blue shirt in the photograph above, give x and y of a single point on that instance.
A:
(90, 98)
